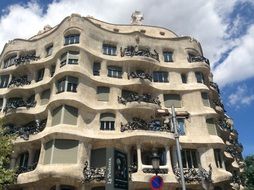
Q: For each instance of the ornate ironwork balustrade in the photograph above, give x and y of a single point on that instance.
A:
(153, 171)
(215, 86)
(219, 103)
(223, 125)
(25, 131)
(93, 174)
(133, 168)
(192, 175)
(140, 124)
(19, 81)
(235, 153)
(135, 51)
(25, 59)
(198, 58)
(236, 179)
(19, 102)
(140, 75)
(134, 97)
(23, 169)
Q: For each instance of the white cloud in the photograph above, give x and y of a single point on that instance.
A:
(240, 97)
(239, 65)
(204, 20)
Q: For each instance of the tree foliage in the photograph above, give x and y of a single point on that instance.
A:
(7, 175)
(249, 172)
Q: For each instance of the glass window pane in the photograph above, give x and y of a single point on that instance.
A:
(70, 115)
(103, 93)
(172, 99)
(48, 151)
(45, 95)
(65, 151)
(211, 126)
(205, 99)
(56, 115)
(168, 56)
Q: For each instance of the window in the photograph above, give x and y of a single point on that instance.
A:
(160, 76)
(199, 77)
(68, 84)
(40, 74)
(102, 93)
(168, 56)
(109, 49)
(107, 121)
(146, 156)
(1, 103)
(71, 39)
(98, 158)
(31, 99)
(184, 78)
(172, 100)
(4, 80)
(65, 114)
(115, 72)
(63, 187)
(52, 70)
(218, 158)
(61, 151)
(45, 95)
(191, 56)
(36, 156)
(23, 160)
(96, 68)
(49, 50)
(126, 94)
(70, 57)
(205, 99)
(189, 158)
(10, 61)
(181, 126)
(211, 127)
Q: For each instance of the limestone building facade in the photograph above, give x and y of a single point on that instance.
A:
(74, 90)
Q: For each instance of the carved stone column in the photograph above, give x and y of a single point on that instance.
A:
(174, 156)
(4, 103)
(89, 149)
(169, 165)
(58, 187)
(31, 157)
(13, 161)
(139, 158)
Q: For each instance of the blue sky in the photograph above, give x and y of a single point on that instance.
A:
(225, 30)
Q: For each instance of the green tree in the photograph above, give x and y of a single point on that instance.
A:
(249, 172)
(7, 175)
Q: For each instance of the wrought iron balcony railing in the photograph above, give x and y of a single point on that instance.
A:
(24, 169)
(26, 59)
(219, 103)
(215, 86)
(140, 75)
(223, 125)
(235, 153)
(194, 174)
(153, 171)
(236, 179)
(133, 168)
(135, 51)
(93, 174)
(198, 58)
(140, 124)
(19, 81)
(25, 131)
(134, 97)
(19, 102)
